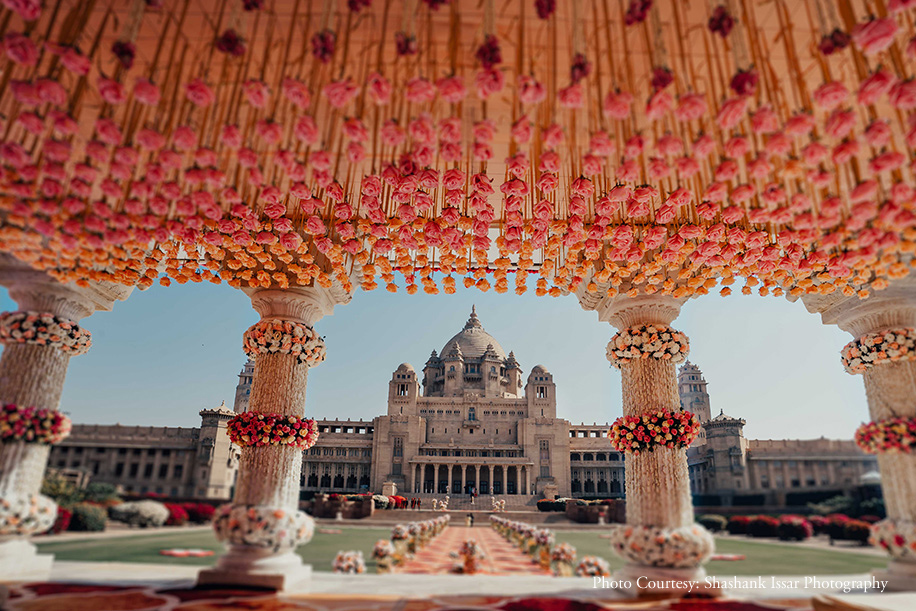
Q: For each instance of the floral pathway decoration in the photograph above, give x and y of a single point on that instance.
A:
(717, 151)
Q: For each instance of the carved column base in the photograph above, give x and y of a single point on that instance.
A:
(252, 567)
(20, 561)
(639, 580)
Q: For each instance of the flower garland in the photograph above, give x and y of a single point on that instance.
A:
(32, 424)
(284, 337)
(659, 429)
(349, 563)
(593, 566)
(274, 528)
(890, 436)
(688, 546)
(44, 329)
(644, 341)
(254, 429)
(882, 347)
(897, 537)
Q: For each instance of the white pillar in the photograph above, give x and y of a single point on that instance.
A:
(505, 479)
(32, 375)
(464, 474)
(490, 479)
(263, 525)
(660, 537)
(890, 388)
(436, 478)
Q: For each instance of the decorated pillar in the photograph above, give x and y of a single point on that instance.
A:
(660, 538)
(884, 353)
(263, 525)
(39, 340)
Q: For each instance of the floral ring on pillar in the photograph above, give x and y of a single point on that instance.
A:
(32, 424)
(274, 336)
(890, 436)
(684, 547)
(645, 341)
(44, 329)
(26, 515)
(660, 429)
(897, 537)
(275, 528)
(877, 348)
(254, 429)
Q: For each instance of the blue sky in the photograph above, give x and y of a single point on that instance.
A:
(166, 353)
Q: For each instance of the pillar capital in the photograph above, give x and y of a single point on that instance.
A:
(306, 305)
(890, 308)
(37, 291)
(622, 311)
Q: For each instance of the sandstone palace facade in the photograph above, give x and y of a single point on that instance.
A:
(471, 420)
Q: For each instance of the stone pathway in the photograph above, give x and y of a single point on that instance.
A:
(502, 558)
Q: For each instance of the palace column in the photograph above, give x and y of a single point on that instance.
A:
(528, 480)
(436, 478)
(660, 539)
(477, 478)
(464, 475)
(32, 372)
(490, 479)
(884, 325)
(505, 479)
(263, 525)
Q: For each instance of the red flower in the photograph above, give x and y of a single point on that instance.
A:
(580, 68)
(231, 42)
(545, 8)
(125, 52)
(661, 78)
(721, 22)
(744, 83)
(405, 44)
(489, 54)
(637, 11)
(323, 44)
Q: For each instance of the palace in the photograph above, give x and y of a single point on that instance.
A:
(471, 421)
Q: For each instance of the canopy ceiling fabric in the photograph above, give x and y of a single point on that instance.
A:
(602, 145)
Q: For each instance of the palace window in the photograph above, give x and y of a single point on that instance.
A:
(545, 471)
(398, 446)
(541, 392)
(402, 390)
(178, 471)
(396, 469)
(134, 469)
(163, 471)
(545, 449)
(472, 413)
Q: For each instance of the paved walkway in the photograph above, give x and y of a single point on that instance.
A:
(502, 558)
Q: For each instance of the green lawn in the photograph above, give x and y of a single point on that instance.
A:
(762, 558)
(320, 552)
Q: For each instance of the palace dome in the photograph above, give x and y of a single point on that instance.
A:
(473, 341)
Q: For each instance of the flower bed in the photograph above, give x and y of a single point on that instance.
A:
(877, 348)
(794, 528)
(32, 424)
(44, 329)
(659, 429)
(284, 337)
(890, 436)
(644, 341)
(763, 526)
(254, 429)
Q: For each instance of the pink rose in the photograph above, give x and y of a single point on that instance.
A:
(111, 91)
(530, 91)
(75, 62)
(731, 112)
(572, 96)
(379, 89)
(199, 94)
(25, 93)
(419, 91)
(340, 93)
(450, 129)
(231, 136)
(146, 92)
(32, 123)
(256, 93)
(659, 104)
(487, 82)
(29, 10)
(393, 135)
(306, 130)
(903, 95)
(799, 125)
(840, 123)
(297, 93)
(876, 85)
(874, 36)
(878, 134)
(521, 130)
(552, 136)
(830, 95)
(20, 49)
(617, 104)
(690, 107)
(452, 89)
(108, 131)
(686, 166)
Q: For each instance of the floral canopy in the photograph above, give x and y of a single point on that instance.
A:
(594, 145)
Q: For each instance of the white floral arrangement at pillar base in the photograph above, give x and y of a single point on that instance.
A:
(22, 515)
(684, 547)
(275, 528)
(896, 537)
(44, 329)
(647, 341)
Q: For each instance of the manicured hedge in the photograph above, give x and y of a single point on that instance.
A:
(763, 526)
(178, 516)
(713, 522)
(88, 517)
(737, 525)
(794, 528)
(857, 530)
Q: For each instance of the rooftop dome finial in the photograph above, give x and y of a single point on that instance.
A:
(473, 322)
